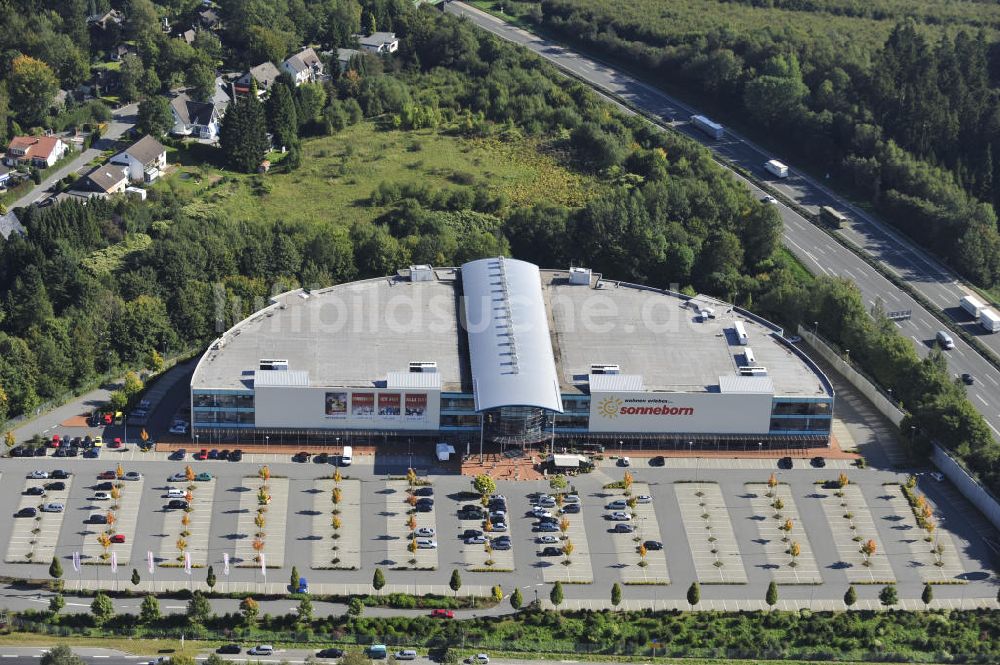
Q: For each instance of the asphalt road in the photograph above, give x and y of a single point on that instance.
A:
(810, 244)
(30, 656)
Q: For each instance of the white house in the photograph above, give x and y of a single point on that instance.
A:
(38, 151)
(145, 159)
(192, 118)
(304, 66)
(379, 42)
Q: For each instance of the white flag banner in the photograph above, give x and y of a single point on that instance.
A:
(149, 560)
(263, 566)
(187, 563)
(225, 563)
(114, 562)
(76, 561)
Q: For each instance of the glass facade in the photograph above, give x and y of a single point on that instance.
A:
(223, 409)
(811, 416)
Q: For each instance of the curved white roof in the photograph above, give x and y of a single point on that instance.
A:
(509, 345)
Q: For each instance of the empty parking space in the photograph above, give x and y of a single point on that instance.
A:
(195, 534)
(782, 532)
(253, 539)
(406, 548)
(125, 512)
(853, 526)
(710, 534)
(336, 524)
(933, 553)
(33, 539)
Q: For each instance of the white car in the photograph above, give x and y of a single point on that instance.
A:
(38, 475)
(937, 476)
(478, 659)
(425, 531)
(499, 526)
(261, 650)
(619, 516)
(547, 501)
(644, 498)
(176, 493)
(132, 475)
(497, 497)
(538, 511)
(769, 199)
(547, 540)
(102, 496)
(53, 508)
(426, 544)
(475, 540)
(624, 461)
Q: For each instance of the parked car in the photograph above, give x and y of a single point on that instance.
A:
(425, 501)
(177, 504)
(471, 533)
(107, 475)
(229, 649)
(659, 460)
(426, 544)
(57, 486)
(405, 654)
(547, 540)
(236, 455)
(571, 508)
(423, 507)
(177, 478)
(546, 527)
(425, 531)
(619, 516)
(652, 545)
(321, 458)
(301, 456)
(37, 490)
(617, 504)
(201, 454)
(499, 526)
(97, 518)
(547, 501)
(624, 461)
(478, 659)
(203, 477)
(102, 496)
(92, 453)
(818, 462)
(330, 653)
(471, 514)
(132, 475)
(26, 512)
(538, 511)
(644, 498)
(178, 454)
(261, 650)
(475, 540)
(106, 486)
(623, 528)
(550, 551)
(424, 491)
(442, 614)
(118, 538)
(571, 498)
(38, 475)
(936, 475)
(303, 586)
(785, 463)
(176, 493)
(17, 451)
(501, 543)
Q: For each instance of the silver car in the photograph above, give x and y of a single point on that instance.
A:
(426, 544)
(53, 508)
(619, 516)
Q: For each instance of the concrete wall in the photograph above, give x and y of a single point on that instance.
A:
(884, 405)
(970, 488)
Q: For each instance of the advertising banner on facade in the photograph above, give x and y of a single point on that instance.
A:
(336, 405)
(388, 406)
(416, 406)
(681, 413)
(362, 405)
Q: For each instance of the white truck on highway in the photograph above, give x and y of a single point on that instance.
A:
(972, 305)
(776, 168)
(713, 129)
(989, 320)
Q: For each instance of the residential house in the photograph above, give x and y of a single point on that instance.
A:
(264, 74)
(4, 176)
(101, 182)
(187, 36)
(110, 18)
(344, 57)
(304, 66)
(192, 118)
(379, 42)
(39, 151)
(145, 159)
(210, 19)
(121, 50)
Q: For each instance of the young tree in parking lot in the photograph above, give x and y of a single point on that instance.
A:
(497, 593)
(888, 595)
(851, 596)
(627, 482)
(293, 580)
(198, 609)
(567, 549)
(411, 477)
(378, 580)
(189, 473)
(250, 610)
(149, 610)
(210, 577)
(135, 577)
(105, 541)
(868, 549)
(336, 476)
(55, 568)
(772, 482)
(455, 582)
(795, 550)
(616, 594)
(556, 595)
(564, 525)
(119, 472)
(642, 554)
(264, 473)
(305, 610)
(336, 522)
(771, 597)
(842, 480)
(102, 609)
(928, 594)
(336, 495)
(694, 594)
(558, 483)
(56, 603)
(412, 523)
(516, 600)
(484, 484)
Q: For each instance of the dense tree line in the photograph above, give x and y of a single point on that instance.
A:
(912, 123)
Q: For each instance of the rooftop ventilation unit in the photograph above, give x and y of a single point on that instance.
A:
(421, 273)
(753, 371)
(423, 367)
(605, 369)
(280, 365)
(579, 276)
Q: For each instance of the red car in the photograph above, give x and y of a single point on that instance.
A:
(117, 443)
(106, 475)
(54, 443)
(118, 538)
(442, 614)
(201, 454)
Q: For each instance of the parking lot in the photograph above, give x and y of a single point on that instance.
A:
(691, 512)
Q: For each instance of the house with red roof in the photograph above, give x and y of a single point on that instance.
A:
(39, 151)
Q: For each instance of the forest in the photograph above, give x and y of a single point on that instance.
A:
(897, 101)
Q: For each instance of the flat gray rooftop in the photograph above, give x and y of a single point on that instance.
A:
(655, 335)
(347, 335)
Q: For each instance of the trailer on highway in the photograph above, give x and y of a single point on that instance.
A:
(774, 167)
(713, 129)
(972, 305)
(832, 217)
(989, 320)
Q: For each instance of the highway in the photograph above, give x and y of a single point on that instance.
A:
(813, 246)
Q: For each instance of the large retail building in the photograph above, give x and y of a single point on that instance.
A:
(499, 351)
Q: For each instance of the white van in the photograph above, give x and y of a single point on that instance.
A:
(175, 493)
(347, 456)
(945, 340)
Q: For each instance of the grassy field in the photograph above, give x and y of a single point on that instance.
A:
(339, 173)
